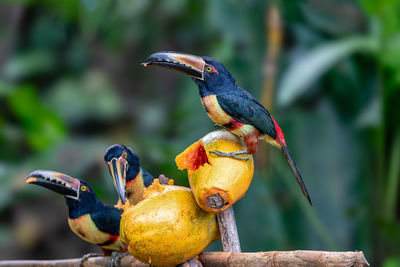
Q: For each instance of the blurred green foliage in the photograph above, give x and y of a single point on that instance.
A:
(71, 84)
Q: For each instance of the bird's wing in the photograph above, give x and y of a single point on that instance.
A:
(245, 109)
(107, 219)
(147, 178)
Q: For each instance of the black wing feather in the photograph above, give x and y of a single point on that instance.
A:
(107, 219)
(147, 178)
(245, 109)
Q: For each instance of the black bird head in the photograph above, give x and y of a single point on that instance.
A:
(123, 165)
(209, 74)
(80, 197)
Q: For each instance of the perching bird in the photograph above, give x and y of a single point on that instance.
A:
(88, 217)
(229, 105)
(129, 178)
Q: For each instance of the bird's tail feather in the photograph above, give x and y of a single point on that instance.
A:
(295, 172)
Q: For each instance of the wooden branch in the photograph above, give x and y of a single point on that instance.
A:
(228, 230)
(285, 258)
(222, 259)
(127, 261)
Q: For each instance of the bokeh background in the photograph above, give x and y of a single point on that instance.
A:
(71, 84)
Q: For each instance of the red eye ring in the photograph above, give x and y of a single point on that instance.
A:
(209, 68)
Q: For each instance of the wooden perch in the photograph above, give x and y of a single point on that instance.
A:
(285, 258)
(272, 258)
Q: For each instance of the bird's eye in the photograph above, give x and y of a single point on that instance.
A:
(83, 188)
(125, 155)
(208, 69)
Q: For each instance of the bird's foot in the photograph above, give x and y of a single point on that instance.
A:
(119, 205)
(116, 258)
(219, 126)
(87, 256)
(231, 154)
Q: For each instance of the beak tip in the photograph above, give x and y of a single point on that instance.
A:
(144, 64)
(30, 180)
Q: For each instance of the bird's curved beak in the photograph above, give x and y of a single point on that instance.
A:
(117, 168)
(56, 181)
(186, 63)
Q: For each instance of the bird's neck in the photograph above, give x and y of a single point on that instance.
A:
(132, 171)
(203, 88)
(135, 188)
(206, 89)
(79, 207)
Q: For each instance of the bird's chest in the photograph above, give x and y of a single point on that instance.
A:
(85, 228)
(214, 110)
(135, 189)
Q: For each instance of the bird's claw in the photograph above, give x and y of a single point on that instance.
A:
(116, 258)
(219, 126)
(87, 256)
(231, 154)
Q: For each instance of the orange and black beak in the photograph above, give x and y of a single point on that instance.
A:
(186, 63)
(117, 168)
(55, 181)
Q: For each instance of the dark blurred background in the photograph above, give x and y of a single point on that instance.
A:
(71, 84)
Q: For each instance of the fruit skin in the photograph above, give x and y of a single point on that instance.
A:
(212, 175)
(167, 227)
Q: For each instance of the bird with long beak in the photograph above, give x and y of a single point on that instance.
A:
(88, 217)
(229, 105)
(129, 178)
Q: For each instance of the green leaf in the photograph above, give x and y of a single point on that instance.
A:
(92, 96)
(393, 179)
(392, 262)
(41, 126)
(90, 5)
(390, 55)
(310, 66)
(371, 115)
(93, 16)
(29, 64)
(5, 88)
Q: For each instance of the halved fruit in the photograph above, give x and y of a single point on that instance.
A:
(217, 181)
(167, 227)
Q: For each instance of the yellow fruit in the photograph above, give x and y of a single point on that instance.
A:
(217, 182)
(167, 227)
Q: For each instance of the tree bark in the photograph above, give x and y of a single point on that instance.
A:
(228, 230)
(285, 258)
(220, 259)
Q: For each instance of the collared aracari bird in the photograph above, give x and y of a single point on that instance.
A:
(229, 105)
(129, 178)
(88, 217)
